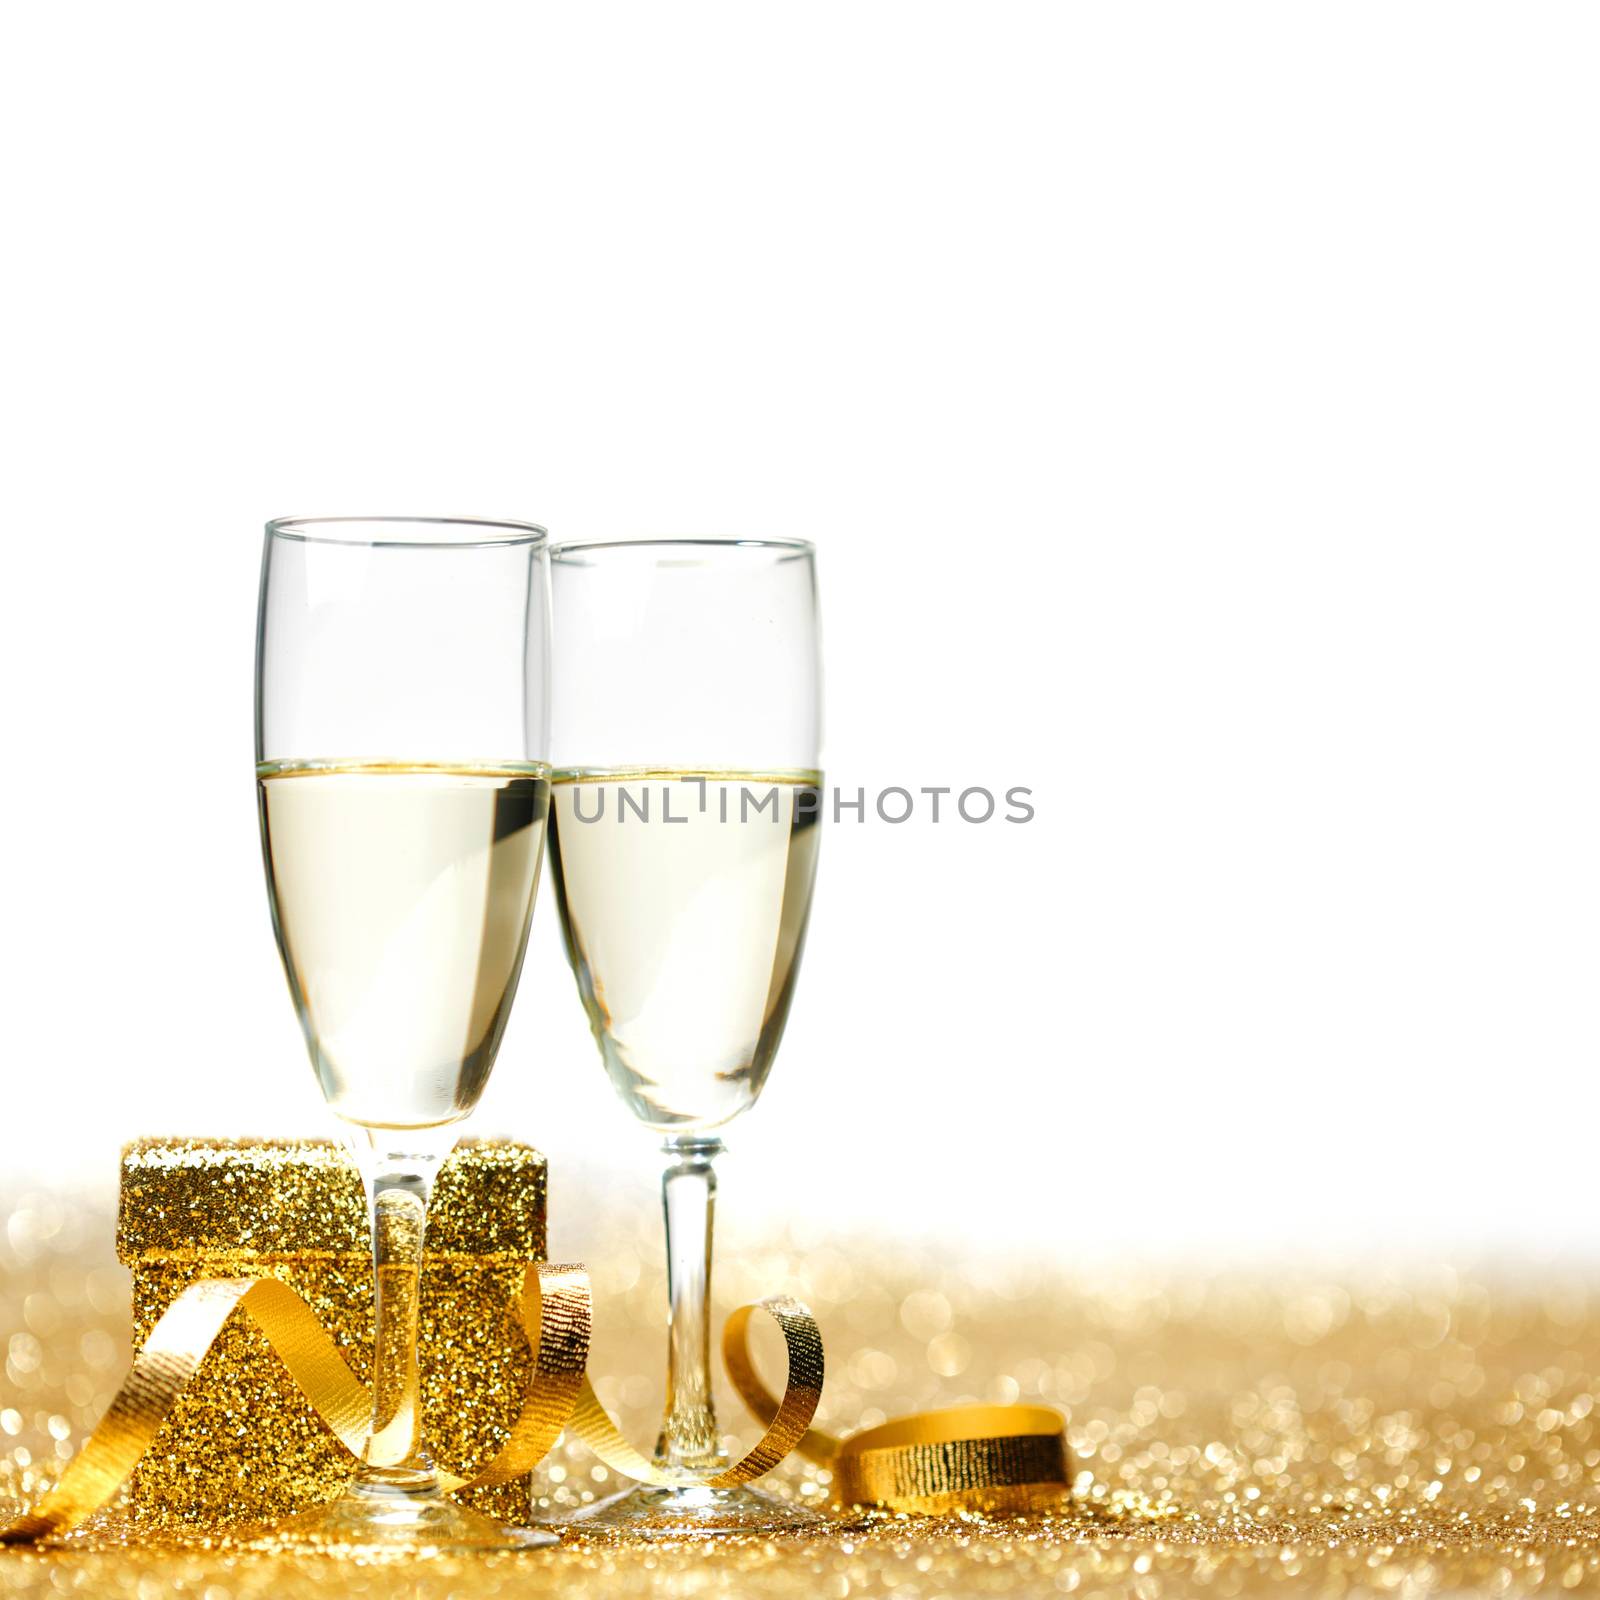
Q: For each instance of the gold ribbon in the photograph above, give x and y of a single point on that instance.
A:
(556, 1314)
(996, 1459)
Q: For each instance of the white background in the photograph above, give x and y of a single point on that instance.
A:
(1196, 410)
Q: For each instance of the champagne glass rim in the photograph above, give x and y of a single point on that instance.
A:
(419, 532)
(575, 550)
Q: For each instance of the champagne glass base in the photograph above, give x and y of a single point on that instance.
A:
(695, 1510)
(377, 1519)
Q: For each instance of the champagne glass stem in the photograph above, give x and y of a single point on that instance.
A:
(688, 1441)
(398, 1184)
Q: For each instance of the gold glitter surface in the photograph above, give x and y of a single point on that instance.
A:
(242, 1444)
(1427, 1433)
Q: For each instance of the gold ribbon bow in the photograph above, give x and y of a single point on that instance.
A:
(996, 1459)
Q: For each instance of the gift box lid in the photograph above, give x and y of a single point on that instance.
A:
(188, 1198)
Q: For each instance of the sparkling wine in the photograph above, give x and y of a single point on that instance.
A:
(401, 896)
(683, 900)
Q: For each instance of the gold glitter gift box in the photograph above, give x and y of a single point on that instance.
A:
(242, 1444)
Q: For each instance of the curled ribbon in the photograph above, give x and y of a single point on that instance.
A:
(556, 1314)
(996, 1459)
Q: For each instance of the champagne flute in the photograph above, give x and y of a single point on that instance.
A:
(683, 834)
(401, 704)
